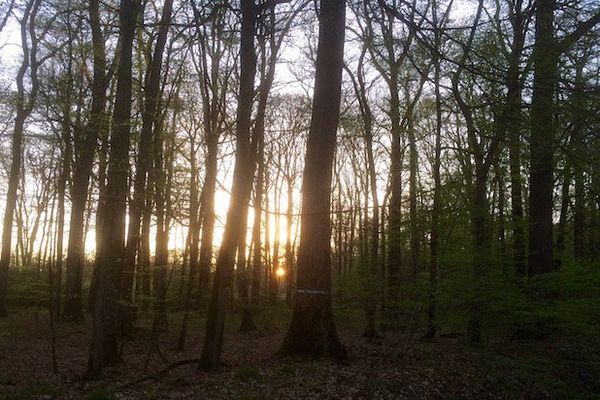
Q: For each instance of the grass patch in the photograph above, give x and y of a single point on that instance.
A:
(101, 393)
(32, 392)
(248, 373)
(287, 370)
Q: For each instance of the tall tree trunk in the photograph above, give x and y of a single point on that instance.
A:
(312, 329)
(24, 106)
(501, 230)
(579, 159)
(267, 76)
(276, 240)
(61, 189)
(268, 267)
(594, 232)
(85, 149)
(194, 225)
(565, 199)
(510, 121)
(579, 220)
(207, 217)
(257, 260)
(105, 335)
(546, 55)
(163, 172)
(192, 244)
(434, 243)
(395, 203)
(149, 122)
(213, 94)
(479, 207)
(145, 284)
(240, 193)
(483, 158)
(289, 250)
(412, 194)
(100, 206)
(541, 184)
(367, 119)
(247, 320)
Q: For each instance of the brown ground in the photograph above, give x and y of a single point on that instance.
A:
(394, 367)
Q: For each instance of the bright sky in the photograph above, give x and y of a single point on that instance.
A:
(288, 79)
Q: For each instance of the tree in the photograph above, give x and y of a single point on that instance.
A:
(434, 241)
(546, 54)
(366, 114)
(212, 65)
(149, 123)
(510, 120)
(104, 348)
(24, 107)
(312, 329)
(240, 193)
(85, 148)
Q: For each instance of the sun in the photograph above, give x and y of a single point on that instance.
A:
(280, 272)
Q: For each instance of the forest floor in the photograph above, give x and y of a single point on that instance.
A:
(396, 366)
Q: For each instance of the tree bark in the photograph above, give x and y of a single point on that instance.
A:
(60, 218)
(579, 160)
(546, 55)
(312, 329)
(163, 148)
(240, 193)
(512, 120)
(565, 199)
(24, 106)
(149, 121)
(257, 260)
(213, 93)
(85, 149)
(104, 348)
(434, 243)
(367, 119)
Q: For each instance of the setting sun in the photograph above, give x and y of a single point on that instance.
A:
(280, 272)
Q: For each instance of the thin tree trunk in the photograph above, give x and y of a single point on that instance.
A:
(85, 149)
(501, 232)
(412, 194)
(240, 193)
(289, 252)
(192, 239)
(511, 122)
(23, 110)
(103, 155)
(61, 189)
(162, 192)
(207, 208)
(367, 117)
(434, 243)
(257, 263)
(564, 209)
(149, 122)
(579, 159)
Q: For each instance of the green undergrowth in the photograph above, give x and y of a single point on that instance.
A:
(101, 393)
(32, 391)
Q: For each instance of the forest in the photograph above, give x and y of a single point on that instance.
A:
(300, 199)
